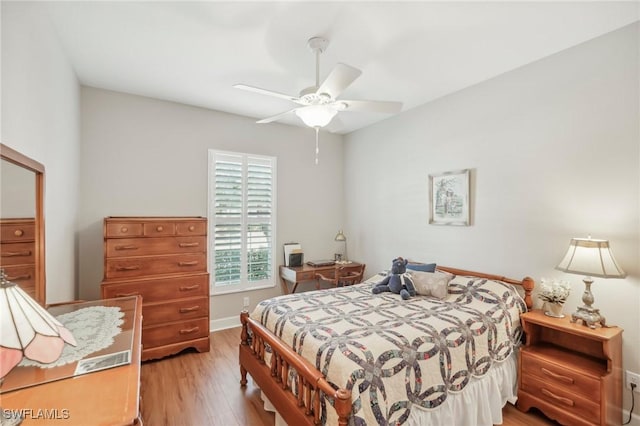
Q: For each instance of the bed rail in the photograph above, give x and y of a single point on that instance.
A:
(300, 409)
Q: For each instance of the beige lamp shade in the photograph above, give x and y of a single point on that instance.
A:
(27, 330)
(590, 257)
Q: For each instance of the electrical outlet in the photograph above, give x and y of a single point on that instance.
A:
(246, 302)
(632, 378)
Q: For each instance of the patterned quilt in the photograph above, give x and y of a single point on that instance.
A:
(393, 354)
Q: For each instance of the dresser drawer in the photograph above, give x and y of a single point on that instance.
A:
(191, 228)
(123, 229)
(17, 253)
(561, 376)
(155, 265)
(563, 399)
(164, 334)
(160, 289)
(125, 247)
(13, 232)
(158, 229)
(23, 275)
(175, 311)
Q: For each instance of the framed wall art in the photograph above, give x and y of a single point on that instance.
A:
(449, 198)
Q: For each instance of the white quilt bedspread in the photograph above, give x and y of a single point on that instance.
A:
(398, 357)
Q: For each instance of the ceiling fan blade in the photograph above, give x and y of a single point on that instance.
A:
(340, 77)
(276, 117)
(387, 107)
(266, 92)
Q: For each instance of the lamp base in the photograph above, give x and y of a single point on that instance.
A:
(589, 316)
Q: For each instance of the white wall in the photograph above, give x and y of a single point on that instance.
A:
(40, 119)
(145, 157)
(554, 149)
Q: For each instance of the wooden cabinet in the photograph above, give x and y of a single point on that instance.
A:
(164, 260)
(570, 372)
(18, 252)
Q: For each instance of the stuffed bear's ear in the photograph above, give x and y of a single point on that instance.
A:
(405, 262)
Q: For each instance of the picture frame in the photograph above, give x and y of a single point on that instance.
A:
(449, 202)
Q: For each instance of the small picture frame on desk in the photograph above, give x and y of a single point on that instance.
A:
(290, 248)
(296, 259)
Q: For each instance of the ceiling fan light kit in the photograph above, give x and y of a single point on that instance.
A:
(319, 104)
(316, 115)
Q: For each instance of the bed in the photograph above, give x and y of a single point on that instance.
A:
(346, 356)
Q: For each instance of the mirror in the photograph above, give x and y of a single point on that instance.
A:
(22, 222)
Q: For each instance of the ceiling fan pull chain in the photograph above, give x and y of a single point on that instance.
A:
(317, 148)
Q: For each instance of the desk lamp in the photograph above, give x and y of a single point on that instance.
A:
(341, 238)
(27, 330)
(592, 258)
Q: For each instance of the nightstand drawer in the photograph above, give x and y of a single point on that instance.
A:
(562, 398)
(560, 376)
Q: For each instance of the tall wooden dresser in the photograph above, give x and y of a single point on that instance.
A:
(18, 252)
(164, 260)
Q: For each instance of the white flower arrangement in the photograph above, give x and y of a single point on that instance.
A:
(554, 291)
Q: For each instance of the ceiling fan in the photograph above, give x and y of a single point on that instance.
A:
(319, 103)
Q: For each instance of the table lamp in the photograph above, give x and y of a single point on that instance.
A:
(592, 258)
(27, 330)
(341, 238)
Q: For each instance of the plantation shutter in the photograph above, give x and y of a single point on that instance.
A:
(242, 220)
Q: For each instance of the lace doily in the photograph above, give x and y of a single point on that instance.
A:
(93, 327)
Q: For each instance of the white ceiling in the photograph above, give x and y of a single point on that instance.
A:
(413, 52)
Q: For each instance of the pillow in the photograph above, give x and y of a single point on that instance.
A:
(433, 284)
(424, 267)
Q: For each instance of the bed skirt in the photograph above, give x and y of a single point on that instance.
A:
(480, 402)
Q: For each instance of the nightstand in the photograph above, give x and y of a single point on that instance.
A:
(572, 373)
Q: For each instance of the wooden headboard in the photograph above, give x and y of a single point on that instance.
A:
(527, 283)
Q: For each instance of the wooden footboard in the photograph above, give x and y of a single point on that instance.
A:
(300, 409)
(304, 408)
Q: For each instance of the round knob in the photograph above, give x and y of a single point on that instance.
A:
(18, 233)
(159, 228)
(124, 229)
(191, 228)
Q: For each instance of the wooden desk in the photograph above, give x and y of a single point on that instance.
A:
(298, 274)
(107, 397)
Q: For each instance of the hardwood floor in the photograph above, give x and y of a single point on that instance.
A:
(194, 389)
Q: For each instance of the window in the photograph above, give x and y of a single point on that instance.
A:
(242, 221)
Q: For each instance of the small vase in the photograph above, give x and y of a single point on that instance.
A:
(554, 310)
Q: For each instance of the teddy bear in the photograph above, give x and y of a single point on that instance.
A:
(398, 281)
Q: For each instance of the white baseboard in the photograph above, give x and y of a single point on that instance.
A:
(224, 323)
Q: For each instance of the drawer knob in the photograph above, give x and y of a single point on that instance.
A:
(183, 245)
(192, 228)
(189, 287)
(124, 229)
(159, 228)
(558, 377)
(16, 253)
(18, 277)
(128, 268)
(18, 233)
(135, 293)
(189, 330)
(130, 247)
(189, 309)
(560, 399)
(190, 263)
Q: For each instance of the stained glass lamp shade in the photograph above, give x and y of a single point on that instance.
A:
(27, 330)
